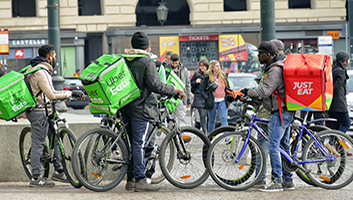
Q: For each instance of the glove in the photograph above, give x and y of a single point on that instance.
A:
(77, 94)
(244, 91)
(236, 93)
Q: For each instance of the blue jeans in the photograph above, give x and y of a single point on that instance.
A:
(138, 130)
(279, 135)
(222, 114)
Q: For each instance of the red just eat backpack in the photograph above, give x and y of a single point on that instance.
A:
(308, 82)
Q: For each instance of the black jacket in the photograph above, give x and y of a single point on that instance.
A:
(147, 79)
(207, 95)
(196, 88)
(339, 101)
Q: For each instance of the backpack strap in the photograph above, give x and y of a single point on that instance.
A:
(279, 99)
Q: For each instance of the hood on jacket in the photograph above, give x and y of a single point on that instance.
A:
(136, 51)
(41, 60)
(35, 61)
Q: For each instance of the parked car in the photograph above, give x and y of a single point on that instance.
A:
(74, 84)
(236, 81)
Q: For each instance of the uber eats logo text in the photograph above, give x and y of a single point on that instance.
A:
(114, 89)
(18, 103)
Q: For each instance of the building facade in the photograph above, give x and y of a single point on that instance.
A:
(90, 28)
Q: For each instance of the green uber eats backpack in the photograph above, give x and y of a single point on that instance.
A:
(16, 94)
(173, 79)
(109, 83)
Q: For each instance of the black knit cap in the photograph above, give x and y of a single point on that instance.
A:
(140, 40)
(342, 56)
(268, 47)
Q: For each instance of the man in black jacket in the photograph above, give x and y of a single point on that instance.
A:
(139, 114)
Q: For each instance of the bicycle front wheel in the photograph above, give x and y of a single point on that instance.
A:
(226, 170)
(329, 159)
(188, 167)
(105, 159)
(66, 144)
(159, 135)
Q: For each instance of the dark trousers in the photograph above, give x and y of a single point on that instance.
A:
(343, 121)
(203, 117)
(138, 130)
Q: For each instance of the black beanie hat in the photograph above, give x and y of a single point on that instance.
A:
(140, 40)
(342, 56)
(268, 47)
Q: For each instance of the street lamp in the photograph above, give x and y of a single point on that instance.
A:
(162, 12)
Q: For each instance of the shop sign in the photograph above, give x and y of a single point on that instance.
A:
(193, 38)
(19, 53)
(325, 45)
(335, 34)
(29, 42)
(168, 43)
(4, 41)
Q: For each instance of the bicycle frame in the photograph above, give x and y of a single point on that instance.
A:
(290, 159)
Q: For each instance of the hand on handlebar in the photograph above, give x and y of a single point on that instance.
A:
(78, 94)
(180, 92)
(236, 94)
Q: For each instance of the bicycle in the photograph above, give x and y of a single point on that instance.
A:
(190, 147)
(107, 153)
(65, 138)
(318, 162)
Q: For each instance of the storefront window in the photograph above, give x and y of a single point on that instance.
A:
(300, 46)
(68, 61)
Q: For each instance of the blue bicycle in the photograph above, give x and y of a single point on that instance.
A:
(233, 156)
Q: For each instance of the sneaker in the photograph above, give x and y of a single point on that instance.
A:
(273, 187)
(260, 184)
(288, 185)
(59, 177)
(143, 186)
(41, 182)
(130, 185)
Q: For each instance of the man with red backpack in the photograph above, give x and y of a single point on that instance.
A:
(271, 92)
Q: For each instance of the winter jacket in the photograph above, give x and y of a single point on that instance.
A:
(41, 80)
(184, 75)
(272, 80)
(207, 95)
(196, 88)
(339, 101)
(147, 79)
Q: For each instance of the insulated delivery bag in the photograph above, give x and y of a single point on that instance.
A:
(174, 80)
(109, 84)
(308, 82)
(15, 94)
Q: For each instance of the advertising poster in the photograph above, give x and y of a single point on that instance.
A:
(4, 41)
(232, 48)
(168, 43)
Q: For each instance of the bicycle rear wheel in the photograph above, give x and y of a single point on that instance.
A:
(314, 129)
(66, 144)
(337, 172)
(25, 153)
(105, 159)
(188, 167)
(223, 167)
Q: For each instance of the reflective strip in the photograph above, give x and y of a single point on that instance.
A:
(110, 68)
(11, 84)
(100, 108)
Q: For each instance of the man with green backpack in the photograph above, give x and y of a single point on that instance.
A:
(139, 113)
(42, 86)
